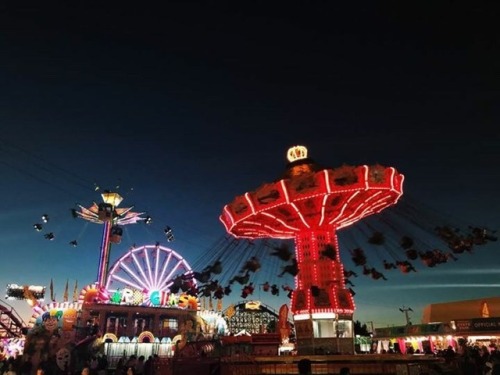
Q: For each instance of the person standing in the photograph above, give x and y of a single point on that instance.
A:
(10, 369)
(149, 366)
(38, 353)
(304, 367)
(102, 366)
(139, 366)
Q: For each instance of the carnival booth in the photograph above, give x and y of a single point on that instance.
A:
(475, 322)
(411, 339)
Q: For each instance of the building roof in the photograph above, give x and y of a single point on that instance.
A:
(446, 312)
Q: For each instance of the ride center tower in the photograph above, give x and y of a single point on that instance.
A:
(309, 204)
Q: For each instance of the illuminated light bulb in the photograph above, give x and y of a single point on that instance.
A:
(296, 153)
(114, 199)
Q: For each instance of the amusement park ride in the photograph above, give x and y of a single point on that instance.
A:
(132, 301)
(11, 324)
(151, 295)
(144, 303)
(309, 204)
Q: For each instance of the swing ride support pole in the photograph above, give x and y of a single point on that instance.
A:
(102, 270)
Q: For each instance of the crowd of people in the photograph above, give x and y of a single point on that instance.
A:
(94, 365)
(465, 359)
(134, 365)
(472, 359)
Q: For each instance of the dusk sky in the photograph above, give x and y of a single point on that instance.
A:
(182, 107)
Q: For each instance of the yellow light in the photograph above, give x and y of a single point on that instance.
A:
(113, 199)
(296, 153)
(252, 305)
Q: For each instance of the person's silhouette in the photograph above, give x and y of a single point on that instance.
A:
(304, 366)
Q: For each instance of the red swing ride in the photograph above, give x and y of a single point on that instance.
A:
(309, 205)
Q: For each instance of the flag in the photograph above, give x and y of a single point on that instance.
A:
(75, 292)
(51, 291)
(65, 296)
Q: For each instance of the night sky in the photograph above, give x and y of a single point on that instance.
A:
(182, 107)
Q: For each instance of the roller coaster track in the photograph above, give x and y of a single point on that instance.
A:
(251, 320)
(11, 323)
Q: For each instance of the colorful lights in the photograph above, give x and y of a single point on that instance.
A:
(309, 205)
(152, 269)
(112, 217)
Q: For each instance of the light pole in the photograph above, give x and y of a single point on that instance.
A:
(405, 310)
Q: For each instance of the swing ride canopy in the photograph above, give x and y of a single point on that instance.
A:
(310, 197)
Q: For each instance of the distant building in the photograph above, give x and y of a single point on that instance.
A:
(477, 321)
(467, 309)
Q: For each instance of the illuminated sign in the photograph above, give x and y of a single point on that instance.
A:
(478, 325)
(135, 297)
(20, 292)
(252, 305)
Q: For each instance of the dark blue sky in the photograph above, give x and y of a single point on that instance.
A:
(187, 105)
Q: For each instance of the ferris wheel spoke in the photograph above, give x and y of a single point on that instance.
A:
(126, 282)
(166, 262)
(148, 264)
(141, 270)
(173, 271)
(157, 264)
(133, 275)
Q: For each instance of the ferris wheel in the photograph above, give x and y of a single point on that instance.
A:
(147, 268)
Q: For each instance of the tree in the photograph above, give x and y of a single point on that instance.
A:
(360, 329)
